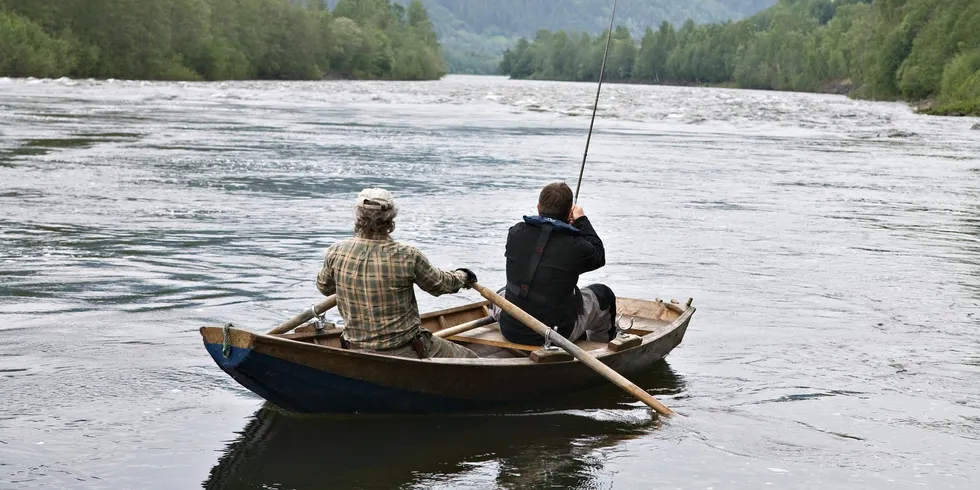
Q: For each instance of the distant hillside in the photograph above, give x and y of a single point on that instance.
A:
(923, 51)
(525, 17)
(474, 33)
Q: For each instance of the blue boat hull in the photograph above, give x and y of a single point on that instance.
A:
(302, 389)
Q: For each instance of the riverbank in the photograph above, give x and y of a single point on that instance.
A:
(845, 87)
(933, 108)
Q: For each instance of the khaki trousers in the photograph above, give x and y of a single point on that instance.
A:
(594, 322)
(434, 347)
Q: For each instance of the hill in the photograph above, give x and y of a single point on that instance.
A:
(474, 33)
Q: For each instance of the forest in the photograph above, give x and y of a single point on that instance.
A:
(922, 51)
(218, 40)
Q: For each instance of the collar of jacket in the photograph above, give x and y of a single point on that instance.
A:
(539, 221)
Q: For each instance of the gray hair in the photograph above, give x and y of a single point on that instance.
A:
(374, 222)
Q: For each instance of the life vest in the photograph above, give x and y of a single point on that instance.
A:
(547, 225)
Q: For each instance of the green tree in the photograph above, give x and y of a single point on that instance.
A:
(887, 49)
(622, 55)
(961, 78)
(219, 39)
(30, 52)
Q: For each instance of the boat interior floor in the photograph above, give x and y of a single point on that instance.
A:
(640, 317)
(488, 342)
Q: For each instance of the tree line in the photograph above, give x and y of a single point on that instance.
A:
(217, 40)
(886, 49)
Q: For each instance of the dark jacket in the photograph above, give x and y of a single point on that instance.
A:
(552, 296)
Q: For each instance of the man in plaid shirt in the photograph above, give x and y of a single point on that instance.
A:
(373, 277)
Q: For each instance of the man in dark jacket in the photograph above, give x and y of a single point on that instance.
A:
(545, 256)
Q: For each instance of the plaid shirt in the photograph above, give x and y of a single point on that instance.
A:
(374, 282)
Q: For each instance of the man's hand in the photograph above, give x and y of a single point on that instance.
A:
(470, 277)
(577, 212)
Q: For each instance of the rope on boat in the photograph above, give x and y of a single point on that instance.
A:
(226, 341)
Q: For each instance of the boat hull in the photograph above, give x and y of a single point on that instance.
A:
(309, 378)
(302, 389)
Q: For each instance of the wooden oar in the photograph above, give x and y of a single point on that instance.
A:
(464, 327)
(574, 350)
(305, 316)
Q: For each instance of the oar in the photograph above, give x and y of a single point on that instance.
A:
(305, 316)
(574, 350)
(464, 327)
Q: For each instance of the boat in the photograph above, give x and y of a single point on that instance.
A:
(307, 371)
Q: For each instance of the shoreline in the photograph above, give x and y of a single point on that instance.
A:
(337, 78)
(929, 107)
(845, 87)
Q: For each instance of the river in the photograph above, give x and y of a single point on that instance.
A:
(831, 246)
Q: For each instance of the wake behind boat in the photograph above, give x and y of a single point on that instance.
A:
(307, 371)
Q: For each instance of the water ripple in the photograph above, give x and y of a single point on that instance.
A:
(832, 247)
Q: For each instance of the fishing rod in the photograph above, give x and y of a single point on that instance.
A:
(602, 68)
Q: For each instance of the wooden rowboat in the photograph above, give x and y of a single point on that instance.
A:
(308, 372)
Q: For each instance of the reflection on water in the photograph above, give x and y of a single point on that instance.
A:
(525, 447)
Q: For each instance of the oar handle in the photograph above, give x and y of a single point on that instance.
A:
(464, 327)
(586, 358)
(305, 316)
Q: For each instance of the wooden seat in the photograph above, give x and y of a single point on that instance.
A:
(490, 335)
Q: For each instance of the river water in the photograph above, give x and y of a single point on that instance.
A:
(832, 248)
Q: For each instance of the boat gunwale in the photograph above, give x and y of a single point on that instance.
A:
(256, 340)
